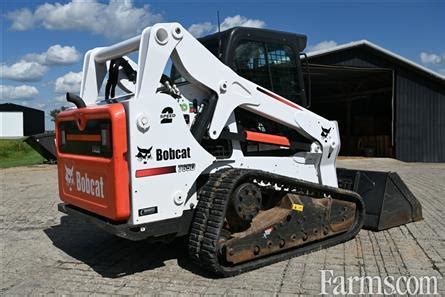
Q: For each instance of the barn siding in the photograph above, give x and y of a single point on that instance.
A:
(34, 122)
(420, 122)
(33, 119)
(419, 103)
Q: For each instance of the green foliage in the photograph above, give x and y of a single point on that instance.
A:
(17, 153)
(53, 113)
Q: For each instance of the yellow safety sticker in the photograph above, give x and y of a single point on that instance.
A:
(297, 207)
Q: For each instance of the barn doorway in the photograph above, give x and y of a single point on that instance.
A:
(361, 100)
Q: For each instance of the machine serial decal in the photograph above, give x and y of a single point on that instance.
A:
(186, 167)
(144, 154)
(167, 115)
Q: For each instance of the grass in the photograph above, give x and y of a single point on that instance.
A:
(15, 152)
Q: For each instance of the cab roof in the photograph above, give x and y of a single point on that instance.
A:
(298, 40)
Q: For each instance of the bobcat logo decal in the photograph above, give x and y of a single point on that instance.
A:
(69, 177)
(325, 132)
(144, 154)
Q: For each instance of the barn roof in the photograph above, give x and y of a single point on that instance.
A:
(380, 51)
(16, 107)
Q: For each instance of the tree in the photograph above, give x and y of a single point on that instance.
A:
(53, 113)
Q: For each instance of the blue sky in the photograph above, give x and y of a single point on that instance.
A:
(43, 42)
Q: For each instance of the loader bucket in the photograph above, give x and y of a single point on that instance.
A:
(388, 201)
(44, 144)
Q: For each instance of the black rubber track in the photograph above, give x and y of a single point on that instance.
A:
(211, 210)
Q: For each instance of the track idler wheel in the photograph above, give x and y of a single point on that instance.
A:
(244, 205)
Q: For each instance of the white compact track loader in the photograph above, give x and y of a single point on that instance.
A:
(247, 174)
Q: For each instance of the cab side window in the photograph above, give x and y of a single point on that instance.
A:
(270, 65)
(250, 62)
(283, 70)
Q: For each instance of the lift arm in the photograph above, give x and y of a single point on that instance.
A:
(200, 67)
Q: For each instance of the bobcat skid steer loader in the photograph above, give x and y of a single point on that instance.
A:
(248, 175)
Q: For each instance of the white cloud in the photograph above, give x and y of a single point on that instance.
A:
(201, 29)
(55, 55)
(32, 67)
(23, 71)
(322, 45)
(40, 105)
(116, 20)
(17, 92)
(427, 58)
(70, 82)
(241, 21)
(22, 19)
(60, 99)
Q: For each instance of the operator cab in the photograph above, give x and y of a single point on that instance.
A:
(268, 58)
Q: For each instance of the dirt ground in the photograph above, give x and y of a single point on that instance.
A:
(44, 252)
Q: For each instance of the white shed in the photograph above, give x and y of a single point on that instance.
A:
(11, 124)
(18, 120)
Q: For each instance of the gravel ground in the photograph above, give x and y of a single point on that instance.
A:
(44, 252)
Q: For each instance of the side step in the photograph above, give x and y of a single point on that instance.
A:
(388, 201)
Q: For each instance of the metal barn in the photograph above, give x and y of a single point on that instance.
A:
(17, 120)
(386, 105)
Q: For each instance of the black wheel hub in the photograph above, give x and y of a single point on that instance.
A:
(244, 205)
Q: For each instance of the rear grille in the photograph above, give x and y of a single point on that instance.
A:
(94, 140)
